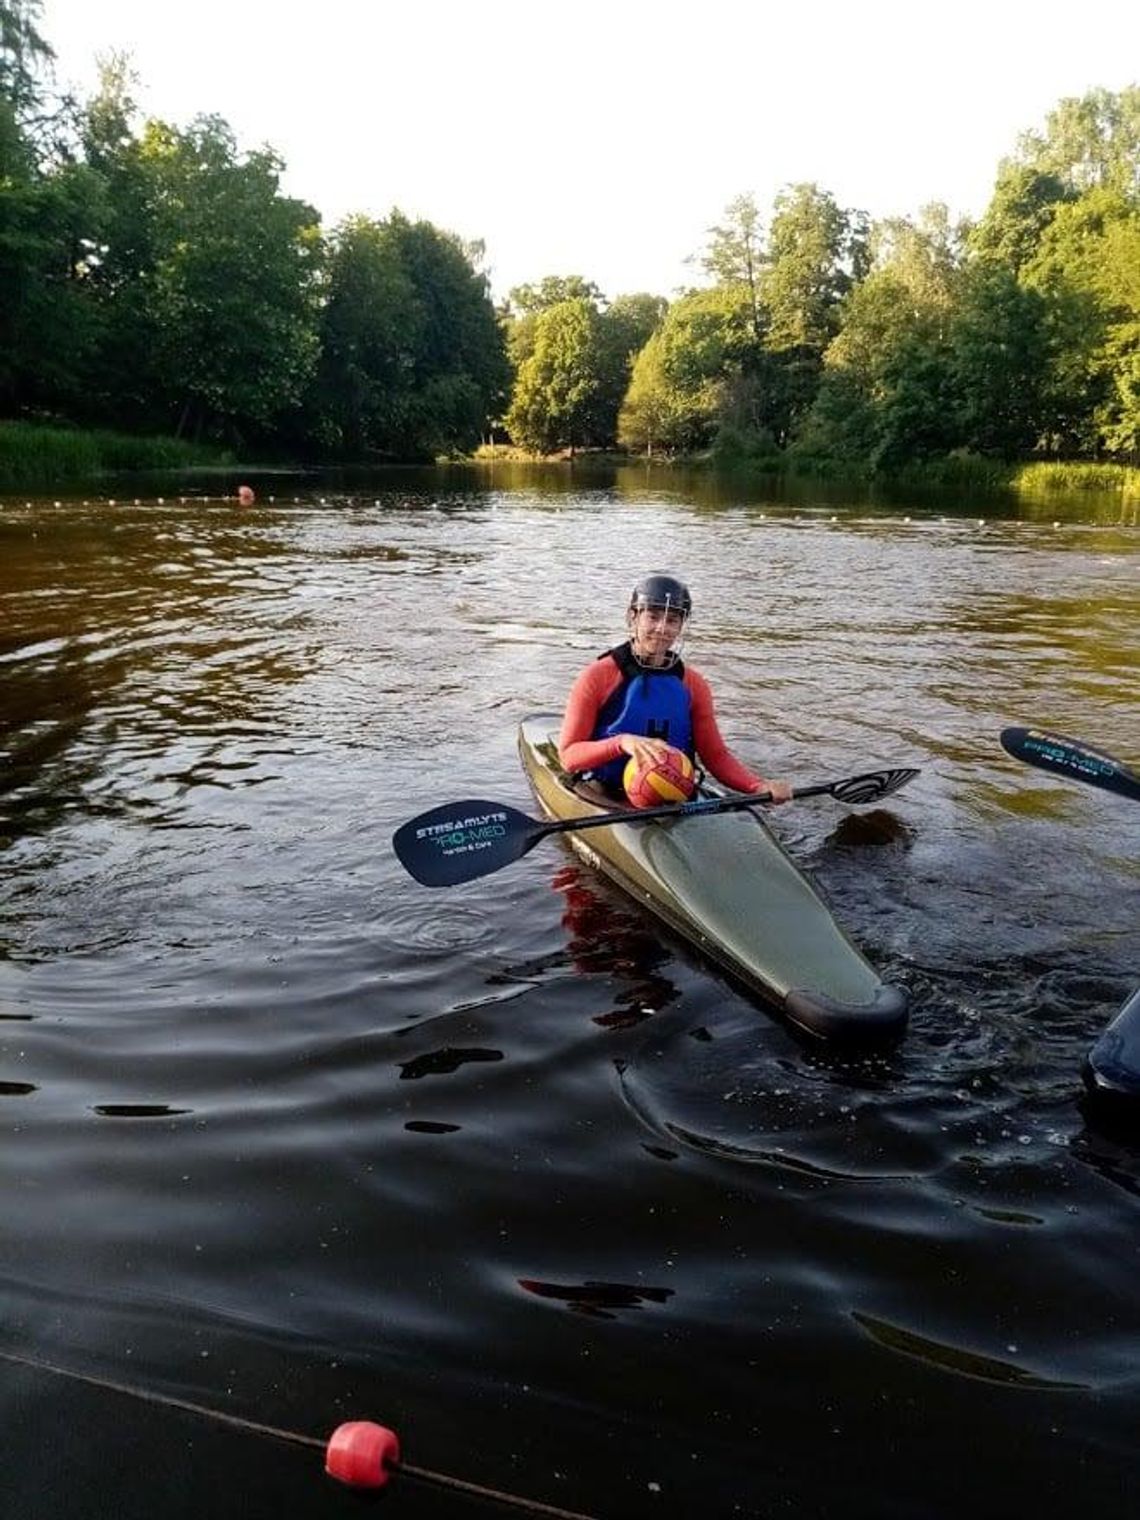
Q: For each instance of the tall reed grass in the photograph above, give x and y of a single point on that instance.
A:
(1074, 476)
(38, 457)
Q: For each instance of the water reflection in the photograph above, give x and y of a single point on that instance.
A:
(606, 938)
(138, 1110)
(954, 1359)
(442, 1063)
(1110, 1143)
(599, 1300)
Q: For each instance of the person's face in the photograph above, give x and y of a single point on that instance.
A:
(654, 632)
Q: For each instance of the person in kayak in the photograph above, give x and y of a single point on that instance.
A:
(637, 699)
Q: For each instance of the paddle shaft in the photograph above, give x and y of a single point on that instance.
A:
(669, 810)
(464, 840)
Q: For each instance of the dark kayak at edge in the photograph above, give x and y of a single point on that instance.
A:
(1112, 1067)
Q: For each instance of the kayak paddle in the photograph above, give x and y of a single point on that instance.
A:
(461, 841)
(1071, 758)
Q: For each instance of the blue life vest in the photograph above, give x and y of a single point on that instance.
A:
(655, 703)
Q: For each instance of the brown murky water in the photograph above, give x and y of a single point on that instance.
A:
(287, 1136)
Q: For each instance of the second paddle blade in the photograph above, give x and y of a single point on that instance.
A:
(461, 841)
(1072, 758)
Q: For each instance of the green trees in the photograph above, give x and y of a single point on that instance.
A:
(1018, 336)
(916, 337)
(157, 278)
(693, 366)
(572, 356)
(411, 357)
(624, 328)
(1085, 270)
(41, 225)
(232, 280)
(24, 56)
(558, 385)
(23, 256)
(366, 339)
(459, 376)
(201, 276)
(816, 252)
(1090, 142)
(885, 388)
(999, 359)
(773, 308)
(1076, 248)
(734, 256)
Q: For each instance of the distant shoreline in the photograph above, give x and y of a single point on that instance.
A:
(37, 457)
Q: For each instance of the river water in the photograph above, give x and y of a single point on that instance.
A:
(291, 1138)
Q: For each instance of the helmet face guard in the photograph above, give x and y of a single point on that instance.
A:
(669, 604)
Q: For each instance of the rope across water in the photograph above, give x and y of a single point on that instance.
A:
(296, 1438)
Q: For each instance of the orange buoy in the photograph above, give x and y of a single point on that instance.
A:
(362, 1454)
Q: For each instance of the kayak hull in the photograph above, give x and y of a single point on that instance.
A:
(724, 884)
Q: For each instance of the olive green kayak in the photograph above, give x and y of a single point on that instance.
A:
(723, 883)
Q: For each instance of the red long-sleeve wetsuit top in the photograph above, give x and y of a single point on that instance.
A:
(579, 751)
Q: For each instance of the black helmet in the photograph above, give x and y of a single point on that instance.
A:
(660, 590)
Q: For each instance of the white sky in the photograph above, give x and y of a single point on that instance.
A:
(603, 137)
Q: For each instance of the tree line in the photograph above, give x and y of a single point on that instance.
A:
(156, 279)
(828, 339)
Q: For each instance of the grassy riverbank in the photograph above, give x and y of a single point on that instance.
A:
(1078, 477)
(39, 457)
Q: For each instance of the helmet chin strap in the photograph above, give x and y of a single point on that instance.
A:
(669, 658)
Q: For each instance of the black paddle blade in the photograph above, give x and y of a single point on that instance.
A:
(1072, 758)
(463, 840)
(859, 790)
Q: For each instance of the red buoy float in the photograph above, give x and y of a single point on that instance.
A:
(245, 496)
(362, 1454)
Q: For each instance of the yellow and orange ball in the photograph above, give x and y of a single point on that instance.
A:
(664, 781)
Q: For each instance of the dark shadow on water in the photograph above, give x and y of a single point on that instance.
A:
(138, 1111)
(1110, 1143)
(600, 1300)
(441, 1063)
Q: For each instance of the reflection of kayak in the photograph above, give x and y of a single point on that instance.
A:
(723, 883)
(1112, 1069)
